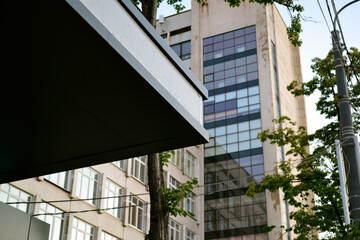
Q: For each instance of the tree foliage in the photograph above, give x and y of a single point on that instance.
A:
(305, 175)
(294, 9)
(174, 197)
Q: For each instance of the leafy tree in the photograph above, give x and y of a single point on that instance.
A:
(149, 10)
(305, 174)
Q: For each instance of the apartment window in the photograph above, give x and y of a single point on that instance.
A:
(55, 221)
(82, 230)
(190, 205)
(106, 236)
(176, 158)
(174, 230)
(190, 235)
(113, 194)
(87, 181)
(183, 50)
(136, 212)
(173, 183)
(61, 179)
(190, 164)
(138, 170)
(121, 164)
(9, 193)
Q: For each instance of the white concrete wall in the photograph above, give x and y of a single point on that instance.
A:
(216, 17)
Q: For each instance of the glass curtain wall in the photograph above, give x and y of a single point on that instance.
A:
(234, 156)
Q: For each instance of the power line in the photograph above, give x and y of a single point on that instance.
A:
(76, 200)
(337, 21)
(323, 14)
(89, 210)
(328, 8)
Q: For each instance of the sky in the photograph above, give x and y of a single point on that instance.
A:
(316, 39)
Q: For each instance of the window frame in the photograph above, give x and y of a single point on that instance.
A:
(64, 184)
(190, 169)
(173, 183)
(10, 197)
(51, 219)
(122, 164)
(116, 202)
(190, 203)
(181, 53)
(192, 235)
(174, 229)
(134, 205)
(106, 235)
(85, 233)
(79, 190)
(176, 158)
(136, 172)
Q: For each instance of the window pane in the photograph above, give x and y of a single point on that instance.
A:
(139, 168)
(208, 48)
(82, 230)
(186, 48)
(208, 41)
(255, 124)
(250, 37)
(9, 193)
(219, 67)
(218, 38)
(86, 184)
(176, 49)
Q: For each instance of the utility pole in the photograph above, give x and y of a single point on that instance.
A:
(347, 133)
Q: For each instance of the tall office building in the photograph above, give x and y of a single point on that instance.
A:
(245, 60)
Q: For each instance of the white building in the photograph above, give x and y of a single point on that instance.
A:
(246, 61)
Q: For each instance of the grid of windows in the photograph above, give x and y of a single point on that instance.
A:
(106, 236)
(190, 235)
(113, 193)
(230, 46)
(138, 168)
(55, 220)
(235, 212)
(233, 156)
(174, 230)
(183, 50)
(9, 193)
(233, 173)
(233, 138)
(190, 164)
(232, 104)
(121, 164)
(82, 230)
(87, 181)
(61, 179)
(136, 212)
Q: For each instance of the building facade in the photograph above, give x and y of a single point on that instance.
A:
(245, 60)
(108, 201)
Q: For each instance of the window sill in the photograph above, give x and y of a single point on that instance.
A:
(138, 180)
(129, 225)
